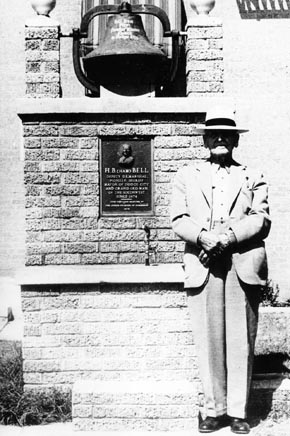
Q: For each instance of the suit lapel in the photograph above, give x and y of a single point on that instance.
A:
(237, 178)
(204, 180)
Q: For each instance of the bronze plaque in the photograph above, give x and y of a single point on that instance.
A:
(126, 177)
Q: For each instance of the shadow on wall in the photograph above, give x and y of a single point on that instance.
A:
(264, 9)
(273, 363)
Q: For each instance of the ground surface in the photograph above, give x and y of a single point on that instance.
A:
(265, 428)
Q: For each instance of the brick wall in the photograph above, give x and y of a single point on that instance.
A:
(62, 189)
(204, 58)
(106, 332)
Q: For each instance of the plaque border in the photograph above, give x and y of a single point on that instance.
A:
(124, 213)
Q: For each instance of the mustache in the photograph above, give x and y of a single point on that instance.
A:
(220, 143)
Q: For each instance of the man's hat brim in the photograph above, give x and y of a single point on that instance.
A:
(204, 129)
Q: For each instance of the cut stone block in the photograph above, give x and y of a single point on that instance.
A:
(134, 406)
(172, 407)
(273, 331)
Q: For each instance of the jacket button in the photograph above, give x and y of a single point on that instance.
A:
(208, 219)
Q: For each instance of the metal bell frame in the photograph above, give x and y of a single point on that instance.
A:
(82, 32)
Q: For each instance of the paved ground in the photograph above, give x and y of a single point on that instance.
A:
(265, 428)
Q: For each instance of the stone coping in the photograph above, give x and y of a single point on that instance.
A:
(90, 274)
(164, 387)
(110, 105)
(97, 274)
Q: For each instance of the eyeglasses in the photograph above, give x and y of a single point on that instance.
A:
(221, 134)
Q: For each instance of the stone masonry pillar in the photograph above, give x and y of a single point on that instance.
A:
(204, 57)
(42, 57)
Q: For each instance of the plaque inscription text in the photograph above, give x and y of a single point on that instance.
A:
(126, 177)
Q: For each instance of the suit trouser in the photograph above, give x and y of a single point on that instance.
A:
(224, 315)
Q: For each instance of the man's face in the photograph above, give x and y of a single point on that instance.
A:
(126, 150)
(221, 142)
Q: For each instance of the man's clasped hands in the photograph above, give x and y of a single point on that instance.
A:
(213, 245)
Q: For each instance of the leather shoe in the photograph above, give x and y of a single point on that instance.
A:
(240, 426)
(210, 424)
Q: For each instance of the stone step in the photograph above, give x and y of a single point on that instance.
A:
(153, 406)
(270, 398)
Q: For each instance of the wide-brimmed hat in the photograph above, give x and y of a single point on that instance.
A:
(220, 118)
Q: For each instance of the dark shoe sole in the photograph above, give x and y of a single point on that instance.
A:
(209, 431)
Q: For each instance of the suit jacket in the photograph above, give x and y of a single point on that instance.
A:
(191, 212)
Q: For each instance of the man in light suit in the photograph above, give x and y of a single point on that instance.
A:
(220, 209)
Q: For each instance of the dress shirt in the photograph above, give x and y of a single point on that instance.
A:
(220, 191)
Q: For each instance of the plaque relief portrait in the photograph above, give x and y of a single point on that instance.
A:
(127, 158)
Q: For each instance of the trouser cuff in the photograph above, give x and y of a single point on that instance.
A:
(236, 414)
(216, 413)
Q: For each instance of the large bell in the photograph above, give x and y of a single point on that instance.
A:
(125, 55)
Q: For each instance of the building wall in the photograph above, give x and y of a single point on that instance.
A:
(11, 168)
(256, 61)
(256, 76)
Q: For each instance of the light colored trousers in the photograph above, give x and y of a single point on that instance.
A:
(224, 316)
